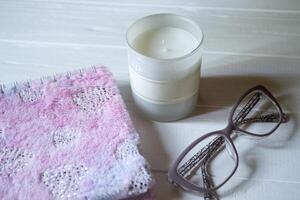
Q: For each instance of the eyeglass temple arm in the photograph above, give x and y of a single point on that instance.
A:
(272, 117)
(247, 108)
(207, 182)
(209, 149)
(204, 155)
(217, 142)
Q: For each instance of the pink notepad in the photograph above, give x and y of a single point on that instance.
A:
(69, 137)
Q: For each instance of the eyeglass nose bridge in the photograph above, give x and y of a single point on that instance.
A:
(229, 129)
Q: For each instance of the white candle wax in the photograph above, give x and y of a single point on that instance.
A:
(164, 57)
(165, 43)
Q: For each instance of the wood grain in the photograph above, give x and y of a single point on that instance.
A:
(246, 43)
(59, 24)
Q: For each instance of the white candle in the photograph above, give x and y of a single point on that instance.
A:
(165, 43)
(164, 58)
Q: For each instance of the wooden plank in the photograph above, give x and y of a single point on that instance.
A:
(255, 5)
(77, 25)
(233, 190)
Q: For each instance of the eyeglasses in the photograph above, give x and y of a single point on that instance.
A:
(211, 160)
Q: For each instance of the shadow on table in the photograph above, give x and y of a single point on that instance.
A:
(150, 141)
(224, 91)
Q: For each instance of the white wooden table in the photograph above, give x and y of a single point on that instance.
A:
(246, 43)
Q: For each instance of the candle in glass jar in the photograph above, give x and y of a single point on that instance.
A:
(164, 58)
(165, 43)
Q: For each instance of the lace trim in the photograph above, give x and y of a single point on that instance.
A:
(92, 99)
(29, 95)
(140, 183)
(13, 160)
(124, 179)
(64, 182)
(142, 180)
(64, 137)
(127, 149)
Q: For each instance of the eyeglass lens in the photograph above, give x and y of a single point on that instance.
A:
(253, 113)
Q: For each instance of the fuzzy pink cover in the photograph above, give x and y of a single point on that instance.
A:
(70, 137)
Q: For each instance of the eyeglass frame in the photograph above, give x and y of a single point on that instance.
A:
(179, 180)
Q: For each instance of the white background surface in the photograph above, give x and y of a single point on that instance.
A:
(246, 43)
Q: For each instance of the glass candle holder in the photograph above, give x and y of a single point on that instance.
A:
(164, 58)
